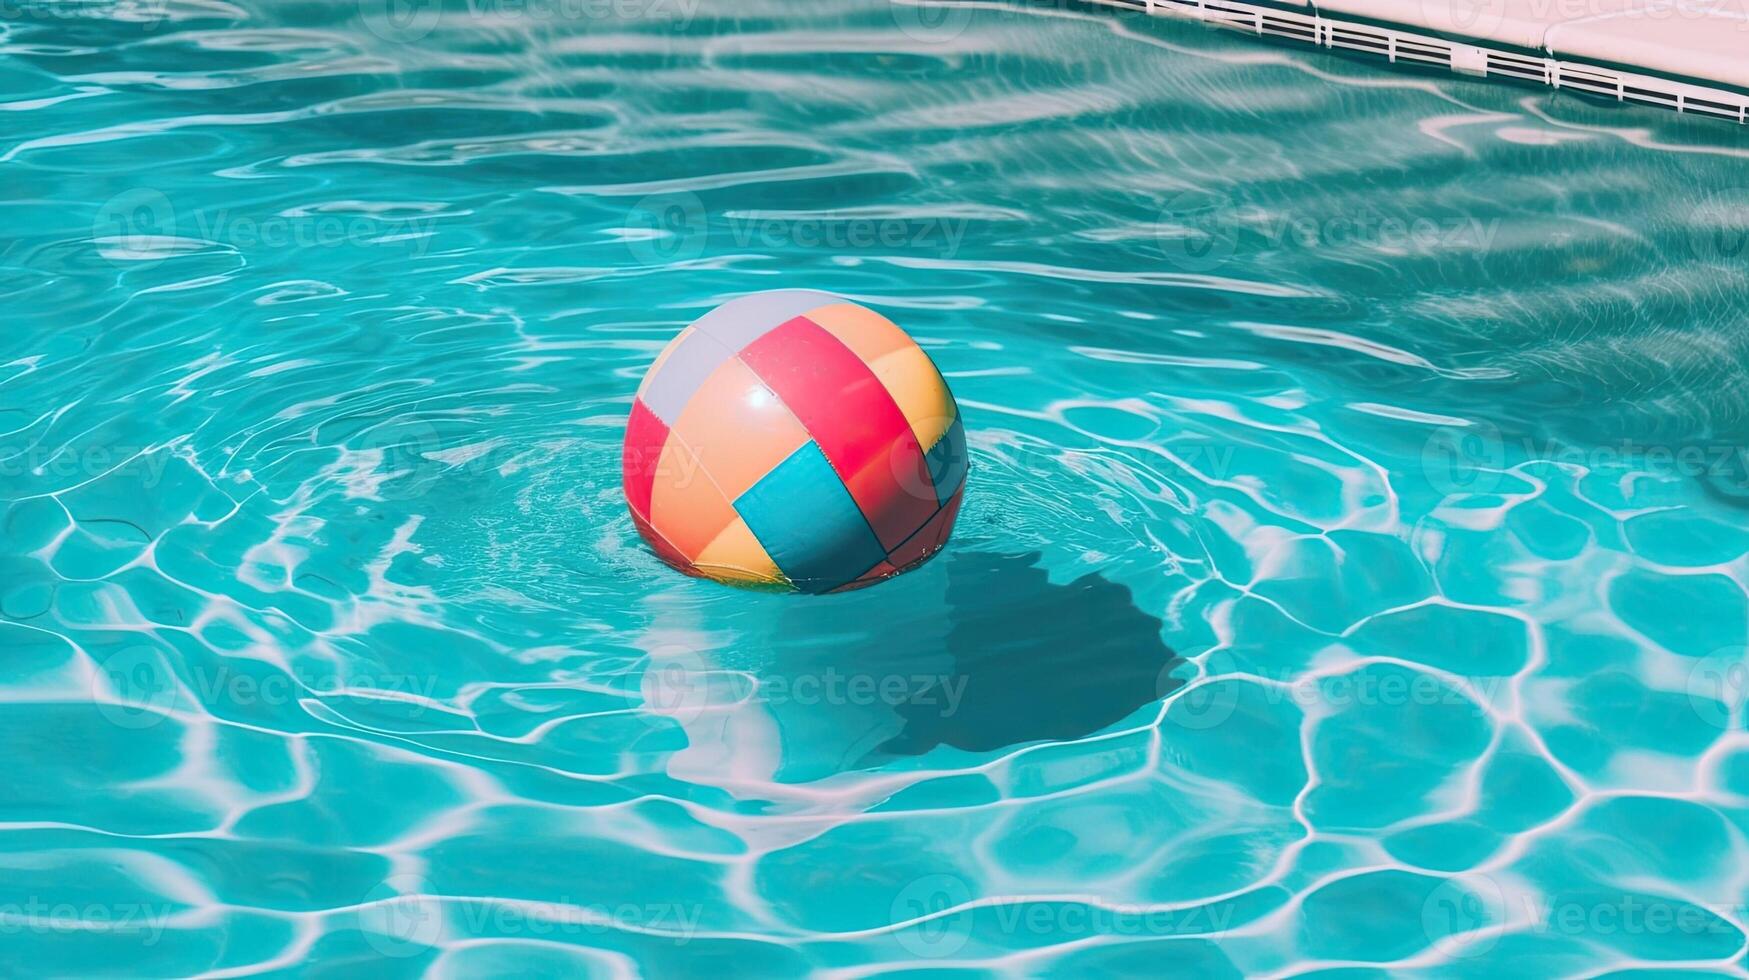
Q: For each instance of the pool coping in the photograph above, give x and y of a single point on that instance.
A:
(1517, 48)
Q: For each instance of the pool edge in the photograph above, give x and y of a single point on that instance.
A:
(1420, 44)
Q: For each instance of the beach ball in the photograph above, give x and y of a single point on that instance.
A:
(794, 440)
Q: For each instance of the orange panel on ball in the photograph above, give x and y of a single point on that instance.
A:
(861, 329)
(663, 548)
(738, 428)
(685, 506)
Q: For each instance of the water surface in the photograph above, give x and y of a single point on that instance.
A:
(1352, 571)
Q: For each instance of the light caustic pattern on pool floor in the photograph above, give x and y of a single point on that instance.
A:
(1352, 570)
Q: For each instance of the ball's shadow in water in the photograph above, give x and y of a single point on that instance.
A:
(1039, 661)
(995, 654)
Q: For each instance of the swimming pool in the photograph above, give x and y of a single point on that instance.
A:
(1352, 571)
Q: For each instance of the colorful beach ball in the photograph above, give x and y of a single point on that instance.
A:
(792, 439)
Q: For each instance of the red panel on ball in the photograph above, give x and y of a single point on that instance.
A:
(930, 537)
(839, 400)
(850, 415)
(895, 492)
(645, 435)
(868, 578)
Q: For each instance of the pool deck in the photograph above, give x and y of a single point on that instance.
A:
(1707, 40)
(1689, 55)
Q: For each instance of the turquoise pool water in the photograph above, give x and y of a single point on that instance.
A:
(1352, 575)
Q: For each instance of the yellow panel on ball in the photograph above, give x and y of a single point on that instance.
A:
(737, 556)
(861, 329)
(916, 386)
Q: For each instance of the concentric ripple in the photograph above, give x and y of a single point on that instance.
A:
(1352, 572)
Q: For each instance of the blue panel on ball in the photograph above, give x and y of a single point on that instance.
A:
(948, 461)
(809, 524)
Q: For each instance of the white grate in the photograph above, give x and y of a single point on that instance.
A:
(1395, 45)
